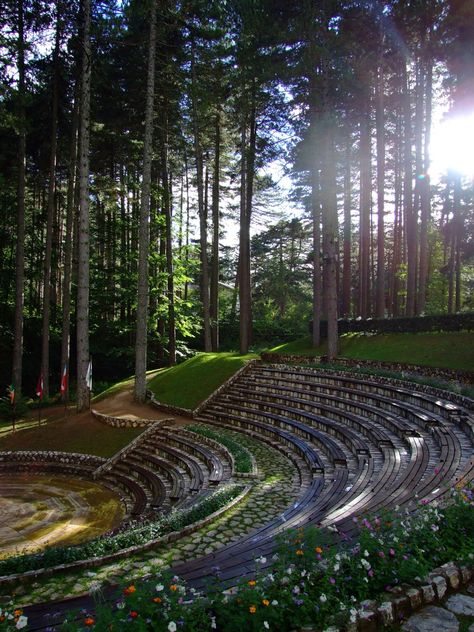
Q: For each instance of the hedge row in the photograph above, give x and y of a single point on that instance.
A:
(416, 324)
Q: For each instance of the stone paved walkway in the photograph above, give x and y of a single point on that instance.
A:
(270, 496)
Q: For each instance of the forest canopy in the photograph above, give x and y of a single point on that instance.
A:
(193, 174)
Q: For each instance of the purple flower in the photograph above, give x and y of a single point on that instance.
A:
(332, 580)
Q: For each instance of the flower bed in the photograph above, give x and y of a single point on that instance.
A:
(309, 582)
(242, 457)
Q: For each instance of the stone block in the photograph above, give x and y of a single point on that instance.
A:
(367, 621)
(452, 575)
(466, 574)
(432, 619)
(401, 607)
(440, 585)
(461, 604)
(385, 612)
(415, 597)
(428, 593)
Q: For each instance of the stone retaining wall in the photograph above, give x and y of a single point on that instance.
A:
(123, 422)
(168, 408)
(33, 458)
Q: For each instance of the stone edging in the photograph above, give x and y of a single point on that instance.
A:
(168, 408)
(407, 599)
(96, 561)
(225, 385)
(121, 454)
(32, 457)
(122, 422)
(447, 374)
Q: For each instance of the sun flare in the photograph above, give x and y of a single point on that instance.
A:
(452, 146)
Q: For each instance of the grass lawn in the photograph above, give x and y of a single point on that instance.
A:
(77, 433)
(189, 383)
(451, 350)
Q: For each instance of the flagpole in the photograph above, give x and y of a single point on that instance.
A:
(39, 413)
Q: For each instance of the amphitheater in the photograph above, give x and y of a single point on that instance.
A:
(343, 444)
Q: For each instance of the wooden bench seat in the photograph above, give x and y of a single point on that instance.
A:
(313, 428)
(281, 438)
(132, 488)
(214, 464)
(151, 482)
(327, 444)
(170, 470)
(190, 463)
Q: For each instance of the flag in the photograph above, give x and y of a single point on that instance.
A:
(11, 393)
(40, 386)
(64, 380)
(89, 375)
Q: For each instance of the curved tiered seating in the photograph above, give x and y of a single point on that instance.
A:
(372, 445)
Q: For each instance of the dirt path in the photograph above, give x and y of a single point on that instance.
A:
(122, 405)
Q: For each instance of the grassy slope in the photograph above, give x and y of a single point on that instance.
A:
(189, 383)
(453, 350)
(78, 433)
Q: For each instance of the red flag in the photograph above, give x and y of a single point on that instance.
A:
(64, 380)
(40, 386)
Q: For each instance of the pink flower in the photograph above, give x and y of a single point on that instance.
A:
(392, 552)
(332, 580)
(381, 554)
(371, 572)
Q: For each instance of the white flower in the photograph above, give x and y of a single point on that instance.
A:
(121, 605)
(342, 606)
(366, 553)
(261, 560)
(336, 567)
(296, 590)
(21, 622)
(274, 602)
(323, 598)
(303, 573)
(365, 564)
(213, 623)
(265, 625)
(159, 587)
(172, 626)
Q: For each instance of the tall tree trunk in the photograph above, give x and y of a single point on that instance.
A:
(245, 218)
(458, 228)
(425, 194)
(316, 225)
(214, 306)
(144, 230)
(169, 252)
(347, 245)
(50, 213)
(83, 224)
(68, 241)
(201, 207)
(365, 204)
(380, 126)
(409, 210)
(329, 213)
(20, 227)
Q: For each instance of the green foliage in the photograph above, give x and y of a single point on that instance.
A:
(189, 383)
(242, 458)
(15, 412)
(132, 535)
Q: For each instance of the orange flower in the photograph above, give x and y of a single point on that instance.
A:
(318, 550)
(299, 552)
(129, 590)
(2, 618)
(253, 609)
(89, 621)
(252, 582)
(174, 587)
(18, 613)
(265, 602)
(157, 599)
(134, 614)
